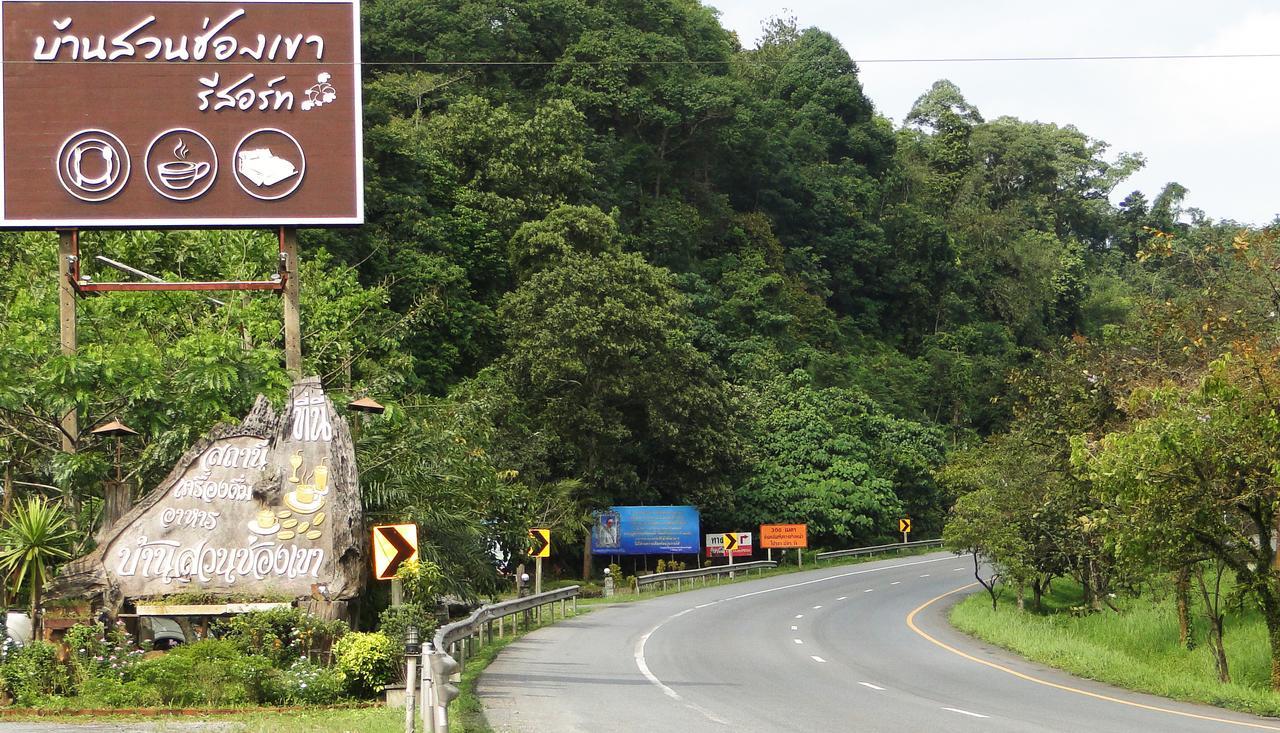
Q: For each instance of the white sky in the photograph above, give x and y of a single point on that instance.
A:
(1211, 125)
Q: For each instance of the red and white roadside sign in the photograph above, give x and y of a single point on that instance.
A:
(715, 545)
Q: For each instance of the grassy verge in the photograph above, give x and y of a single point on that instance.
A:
(1136, 648)
(354, 720)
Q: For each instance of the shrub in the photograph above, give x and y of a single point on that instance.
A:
(305, 683)
(209, 672)
(33, 673)
(100, 652)
(280, 634)
(112, 692)
(367, 661)
(420, 581)
(394, 620)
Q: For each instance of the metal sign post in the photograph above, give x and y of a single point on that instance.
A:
(540, 547)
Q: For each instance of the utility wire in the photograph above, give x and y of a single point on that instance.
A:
(691, 62)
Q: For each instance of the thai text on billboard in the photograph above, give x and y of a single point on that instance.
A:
(645, 530)
(784, 536)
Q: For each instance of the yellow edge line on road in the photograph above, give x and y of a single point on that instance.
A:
(911, 623)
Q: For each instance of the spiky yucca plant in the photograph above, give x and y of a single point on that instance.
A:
(34, 534)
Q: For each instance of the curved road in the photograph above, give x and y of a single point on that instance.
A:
(861, 647)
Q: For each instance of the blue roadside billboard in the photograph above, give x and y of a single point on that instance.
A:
(645, 530)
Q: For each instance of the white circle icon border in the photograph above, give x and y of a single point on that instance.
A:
(114, 188)
(302, 168)
(212, 175)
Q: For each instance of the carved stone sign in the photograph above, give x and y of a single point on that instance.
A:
(180, 113)
(268, 507)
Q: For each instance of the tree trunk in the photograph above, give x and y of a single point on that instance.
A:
(1271, 614)
(586, 557)
(1182, 587)
(1037, 590)
(1213, 612)
(1099, 587)
(1022, 588)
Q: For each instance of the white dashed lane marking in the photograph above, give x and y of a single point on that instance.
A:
(874, 687)
(966, 712)
(817, 659)
(798, 641)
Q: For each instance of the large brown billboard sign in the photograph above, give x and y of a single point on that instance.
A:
(176, 113)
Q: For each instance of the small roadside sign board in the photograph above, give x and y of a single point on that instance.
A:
(716, 544)
(784, 536)
(540, 542)
(393, 545)
(904, 525)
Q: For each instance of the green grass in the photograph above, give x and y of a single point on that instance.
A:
(1136, 648)
(357, 720)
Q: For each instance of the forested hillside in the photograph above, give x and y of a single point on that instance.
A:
(613, 256)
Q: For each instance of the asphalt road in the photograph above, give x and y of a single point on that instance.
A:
(830, 649)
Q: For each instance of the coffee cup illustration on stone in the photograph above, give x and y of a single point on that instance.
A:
(181, 174)
(305, 494)
(266, 518)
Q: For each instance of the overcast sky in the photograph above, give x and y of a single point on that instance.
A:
(1211, 125)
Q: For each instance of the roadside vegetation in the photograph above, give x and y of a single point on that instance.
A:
(1137, 646)
(1144, 464)
(277, 658)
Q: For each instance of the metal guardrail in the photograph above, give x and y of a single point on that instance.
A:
(482, 619)
(443, 661)
(679, 576)
(877, 549)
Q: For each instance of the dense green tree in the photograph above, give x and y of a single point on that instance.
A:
(600, 358)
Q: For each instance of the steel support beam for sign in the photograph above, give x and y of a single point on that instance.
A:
(70, 238)
(68, 263)
(292, 293)
(71, 283)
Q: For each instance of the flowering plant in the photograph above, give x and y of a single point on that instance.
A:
(99, 651)
(306, 683)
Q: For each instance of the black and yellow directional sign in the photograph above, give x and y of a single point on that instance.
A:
(730, 541)
(540, 542)
(904, 525)
(393, 545)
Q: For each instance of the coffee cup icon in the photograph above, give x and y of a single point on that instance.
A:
(181, 164)
(179, 175)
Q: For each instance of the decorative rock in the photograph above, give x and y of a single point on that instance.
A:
(225, 520)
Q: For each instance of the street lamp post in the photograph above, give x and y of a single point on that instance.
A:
(117, 497)
(411, 651)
